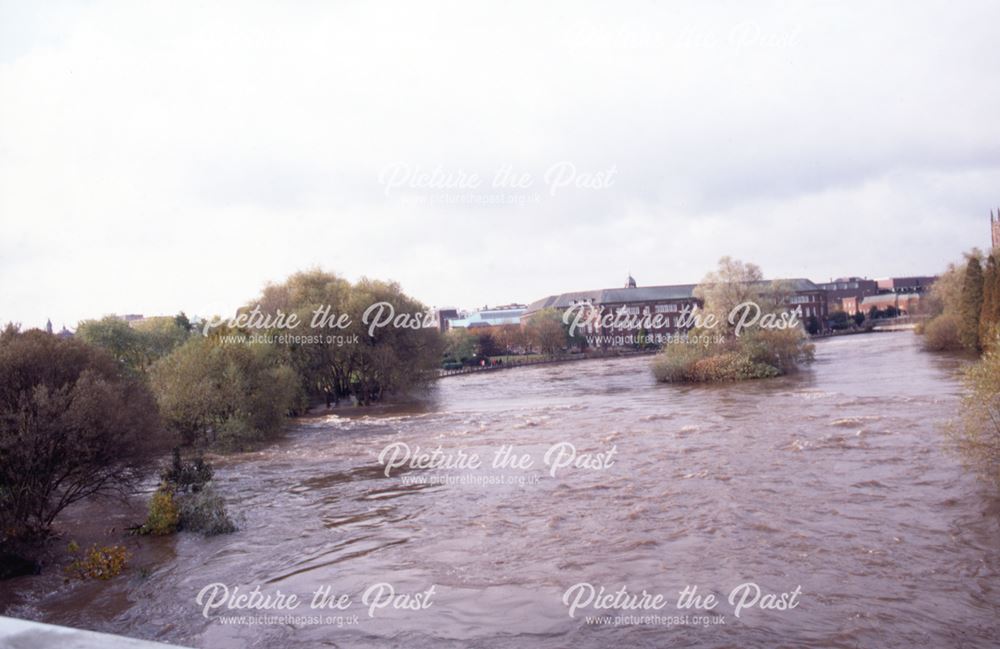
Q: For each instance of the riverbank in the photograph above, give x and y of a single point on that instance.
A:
(556, 360)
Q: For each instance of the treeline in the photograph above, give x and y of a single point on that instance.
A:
(543, 333)
(964, 306)
(91, 414)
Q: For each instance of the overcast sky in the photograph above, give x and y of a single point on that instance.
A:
(156, 157)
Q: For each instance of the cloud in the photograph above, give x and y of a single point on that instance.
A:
(163, 157)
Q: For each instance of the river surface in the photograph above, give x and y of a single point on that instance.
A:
(835, 480)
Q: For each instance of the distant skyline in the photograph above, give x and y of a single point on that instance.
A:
(158, 158)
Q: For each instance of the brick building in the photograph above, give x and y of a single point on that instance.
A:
(845, 293)
(916, 284)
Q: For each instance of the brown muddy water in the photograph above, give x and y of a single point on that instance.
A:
(835, 480)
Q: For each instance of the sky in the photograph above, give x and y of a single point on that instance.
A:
(167, 156)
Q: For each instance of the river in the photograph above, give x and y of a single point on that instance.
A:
(834, 481)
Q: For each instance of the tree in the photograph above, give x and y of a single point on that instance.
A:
(546, 330)
(733, 283)
(224, 394)
(972, 303)
(838, 320)
(486, 342)
(459, 345)
(324, 364)
(945, 295)
(138, 345)
(989, 316)
(511, 337)
(396, 358)
(159, 336)
(115, 336)
(182, 321)
(73, 423)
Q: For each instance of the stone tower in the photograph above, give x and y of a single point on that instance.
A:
(995, 229)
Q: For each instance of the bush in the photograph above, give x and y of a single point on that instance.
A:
(942, 333)
(977, 435)
(730, 366)
(205, 511)
(760, 354)
(187, 501)
(98, 562)
(73, 423)
(164, 516)
(186, 476)
(783, 349)
(674, 363)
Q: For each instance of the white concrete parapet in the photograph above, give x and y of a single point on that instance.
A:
(25, 634)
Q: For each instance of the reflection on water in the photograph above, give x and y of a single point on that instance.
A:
(834, 479)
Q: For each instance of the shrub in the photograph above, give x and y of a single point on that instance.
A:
(73, 423)
(164, 515)
(186, 476)
(187, 501)
(757, 355)
(942, 333)
(783, 349)
(102, 562)
(675, 362)
(977, 434)
(205, 511)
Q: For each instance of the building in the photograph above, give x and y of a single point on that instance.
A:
(445, 316)
(904, 303)
(487, 317)
(662, 310)
(917, 284)
(844, 293)
(995, 229)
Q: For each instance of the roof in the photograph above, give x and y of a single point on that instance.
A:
(890, 298)
(663, 293)
(487, 318)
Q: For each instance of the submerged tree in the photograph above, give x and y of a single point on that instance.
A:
(73, 423)
(213, 392)
(344, 355)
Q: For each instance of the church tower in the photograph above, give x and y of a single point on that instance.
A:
(995, 229)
